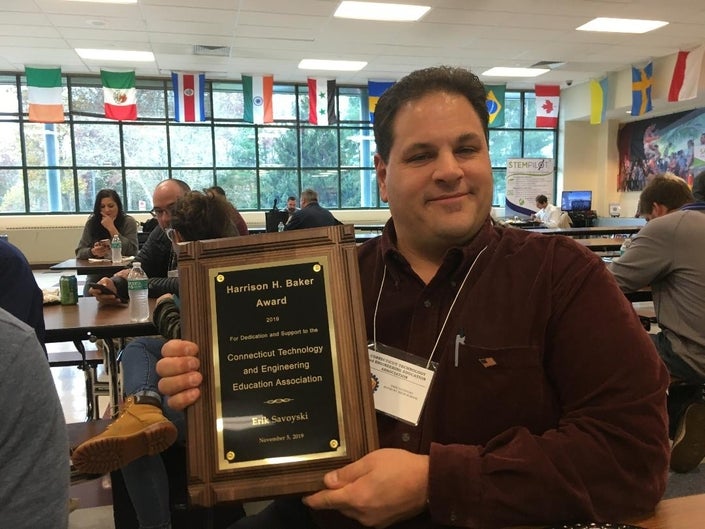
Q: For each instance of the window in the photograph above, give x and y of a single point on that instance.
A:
(46, 168)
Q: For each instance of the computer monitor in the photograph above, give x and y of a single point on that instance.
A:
(576, 200)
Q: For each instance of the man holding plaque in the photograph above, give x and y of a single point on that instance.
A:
(532, 418)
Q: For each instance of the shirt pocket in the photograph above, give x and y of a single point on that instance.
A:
(511, 381)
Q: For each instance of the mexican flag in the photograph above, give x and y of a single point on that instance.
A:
(44, 95)
(321, 102)
(257, 95)
(119, 94)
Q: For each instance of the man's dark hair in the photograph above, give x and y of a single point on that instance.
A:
(290, 198)
(542, 199)
(669, 191)
(215, 189)
(418, 84)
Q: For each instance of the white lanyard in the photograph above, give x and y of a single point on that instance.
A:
(440, 333)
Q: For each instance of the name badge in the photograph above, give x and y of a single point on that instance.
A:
(401, 386)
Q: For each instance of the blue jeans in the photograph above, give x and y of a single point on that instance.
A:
(676, 366)
(146, 478)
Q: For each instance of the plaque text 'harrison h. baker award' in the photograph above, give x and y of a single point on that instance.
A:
(286, 394)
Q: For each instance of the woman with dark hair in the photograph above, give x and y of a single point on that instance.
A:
(107, 220)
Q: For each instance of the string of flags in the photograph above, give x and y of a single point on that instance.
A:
(45, 95)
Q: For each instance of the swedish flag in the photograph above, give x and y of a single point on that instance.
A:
(495, 104)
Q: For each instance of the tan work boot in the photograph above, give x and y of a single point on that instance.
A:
(141, 429)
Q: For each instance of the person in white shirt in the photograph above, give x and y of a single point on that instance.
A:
(547, 214)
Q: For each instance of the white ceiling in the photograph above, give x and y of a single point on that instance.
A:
(272, 36)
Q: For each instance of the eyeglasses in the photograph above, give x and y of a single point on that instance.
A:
(158, 212)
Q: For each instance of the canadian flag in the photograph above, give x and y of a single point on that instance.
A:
(547, 101)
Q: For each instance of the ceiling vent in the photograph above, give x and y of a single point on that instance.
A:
(551, 65)
(213, 51)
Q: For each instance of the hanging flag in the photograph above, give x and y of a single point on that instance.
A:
(189, 96)
(547, 103)
(44, 95)
(495, 104)
(598, 100)
(257, 93)
(321, 102)
(642, 82)
(374, 90)
(119, 94)
(686, 75)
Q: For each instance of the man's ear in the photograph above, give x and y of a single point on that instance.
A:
(658, 210)
(381, 170)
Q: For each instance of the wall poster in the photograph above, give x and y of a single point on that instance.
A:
(526, 178)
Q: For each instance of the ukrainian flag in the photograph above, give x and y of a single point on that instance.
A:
(495, 104)
(374, 90)
(598, 100)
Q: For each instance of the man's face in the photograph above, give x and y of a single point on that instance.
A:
(291, 205)
(438, 180)
(164, 198)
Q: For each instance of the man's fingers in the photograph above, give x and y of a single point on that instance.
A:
(182, 400)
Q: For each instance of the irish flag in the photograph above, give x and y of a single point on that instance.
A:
(44, 95)
(321, 102)
(686, 75)
(257, 95)
(119, 94)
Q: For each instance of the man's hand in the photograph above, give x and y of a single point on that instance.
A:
(105, 299)
(178, 369)
(384, 487)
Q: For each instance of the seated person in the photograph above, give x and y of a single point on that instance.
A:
(237, 218)
(107, 220)
(663, 255)
(34, 448)
(544, 418)
(311, 214)
(547, 214)
(145, 426)
(20, 295)
(156, 255)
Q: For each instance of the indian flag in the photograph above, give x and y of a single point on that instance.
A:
(257, 95)
(44, 95)
(120, 95)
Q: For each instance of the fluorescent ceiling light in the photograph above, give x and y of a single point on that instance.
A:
(501, 71)
(106, 1)
(115, 55)
(380, 11)
(343, 66)
(621, 25)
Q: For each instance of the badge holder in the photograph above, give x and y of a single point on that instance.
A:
(401, 382)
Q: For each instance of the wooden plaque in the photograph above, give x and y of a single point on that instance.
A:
(286, 395)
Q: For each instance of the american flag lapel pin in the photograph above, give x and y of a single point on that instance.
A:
(487, 362)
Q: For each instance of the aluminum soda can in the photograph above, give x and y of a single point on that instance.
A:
(68, 290)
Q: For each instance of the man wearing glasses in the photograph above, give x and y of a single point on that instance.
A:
(156, 254)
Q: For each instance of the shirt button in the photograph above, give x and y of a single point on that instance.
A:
(453, 516)
(405, 437)
(427, 303)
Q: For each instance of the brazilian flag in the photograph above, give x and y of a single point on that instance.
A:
(495, 104)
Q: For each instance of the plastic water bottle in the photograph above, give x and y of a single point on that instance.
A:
(116, 249)
(280, 226)
(137, 288)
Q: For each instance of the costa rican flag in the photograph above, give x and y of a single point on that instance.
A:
(189, 100)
